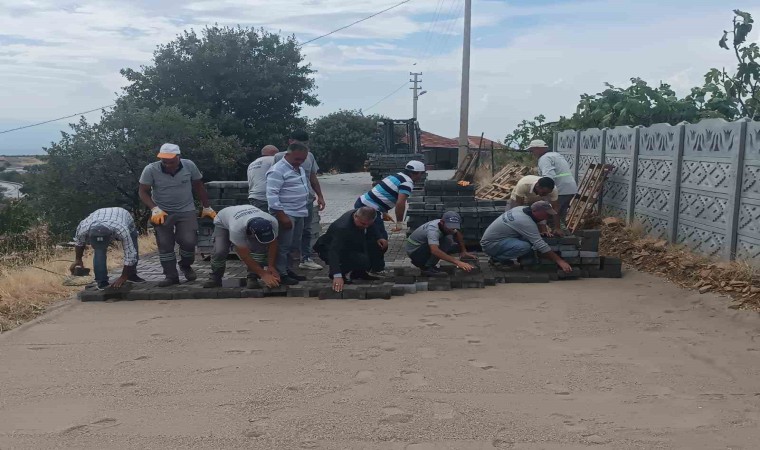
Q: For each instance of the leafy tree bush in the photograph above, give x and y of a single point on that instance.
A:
(341, 140)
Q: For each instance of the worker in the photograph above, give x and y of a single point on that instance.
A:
(530, 189)
(311, 223)
(167, 187)
(257, 177)
(554, 165)
(253, 233)
(99, 229)
(431, 242)
(515, 234)
(288, 198)
(391, 192)
(351, 246)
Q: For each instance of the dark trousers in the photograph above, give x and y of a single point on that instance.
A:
(100, 259)
(261, 204)
(178, 229)
(358, 262)
(422, 257)
(564, 204)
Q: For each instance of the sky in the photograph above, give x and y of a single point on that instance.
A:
(529, 57)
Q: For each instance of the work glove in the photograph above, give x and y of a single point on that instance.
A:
(208, 212)
(157, 216)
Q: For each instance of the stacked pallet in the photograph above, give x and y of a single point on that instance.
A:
(501, 185)
(380, 165)
(440, 196)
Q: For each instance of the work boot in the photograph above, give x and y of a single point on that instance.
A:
(309, 264)
(135, 279)
(295, 276)
(166, 282)
(189, 273)
(288, 280)
(213, 282)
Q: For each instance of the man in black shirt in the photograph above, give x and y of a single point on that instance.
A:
(350, 246)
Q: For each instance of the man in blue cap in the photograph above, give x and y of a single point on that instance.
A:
(431, 242)
(99, 229)
(254, 235)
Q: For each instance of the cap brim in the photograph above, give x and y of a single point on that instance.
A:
(265, 242)
(167, 155)
(452, 226)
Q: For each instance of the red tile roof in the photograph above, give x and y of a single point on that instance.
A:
(431, 140)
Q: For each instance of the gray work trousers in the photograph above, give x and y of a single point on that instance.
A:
(287, 241)
(178, 229)
(222, 246)
(261, 204)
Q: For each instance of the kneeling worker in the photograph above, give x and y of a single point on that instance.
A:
(99, 229)
(351, 246)
(253, 233)
(432, 241)
(515, 233)
(530, 189)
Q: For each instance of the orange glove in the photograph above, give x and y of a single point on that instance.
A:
(158, 216)
(208, 212)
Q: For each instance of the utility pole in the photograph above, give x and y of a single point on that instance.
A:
(464, 111)
(415, 90)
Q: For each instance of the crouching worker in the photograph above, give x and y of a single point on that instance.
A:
(99, 229)
(515, 233)
(431, 242)
(351, 246)
(253, 233)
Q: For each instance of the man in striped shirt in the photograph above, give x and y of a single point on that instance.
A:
(99, 229)
(288, 198)
(392, 191)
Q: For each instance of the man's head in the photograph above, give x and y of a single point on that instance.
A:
(169, 156)
(261, 229)
(542, 210)
(538, 147)
(415, 170)
(451, 221)
(269, 150)
(364, 217)
(99, 235)
(298, 136)
(296, 154)
(544, 186)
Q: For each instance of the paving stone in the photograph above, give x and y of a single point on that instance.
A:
(279, 291)
(590, 239)
(568, 248)
(489, 280)
(439, 285)
(535, 277)
(473, 283)
(81, 271)
(456, 283)
(570, 240)
(398, 291)
(182, 294)
(138, 295)
(570, 253)
(576, 273)
(223, 292)
(356, 292)
(92, 296)
(404, 279)
(572, 260)
(206, 293)
(296, 291)
(408, 288)
(421, 286)
(591, 261)
(378, 292)
(233, 282)
(516, 277)
(589, 254)
(329, 294)
(161, 294)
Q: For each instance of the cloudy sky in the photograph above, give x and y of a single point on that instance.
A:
(59, 57)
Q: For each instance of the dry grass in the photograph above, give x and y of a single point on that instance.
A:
(26, 290)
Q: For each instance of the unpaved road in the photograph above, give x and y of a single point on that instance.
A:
(600, 364)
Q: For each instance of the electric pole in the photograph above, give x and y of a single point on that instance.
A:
(415, 90)
(464, 141)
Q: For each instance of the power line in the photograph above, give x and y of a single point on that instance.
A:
(358, 21)
(429, 33)
(55, 120)
(387, 96)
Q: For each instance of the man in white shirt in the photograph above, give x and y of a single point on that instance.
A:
(257, 177)
(554, 165)
(531, 189)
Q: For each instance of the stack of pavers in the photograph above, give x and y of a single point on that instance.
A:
(221, 194)
(380, 165)
(440, 196)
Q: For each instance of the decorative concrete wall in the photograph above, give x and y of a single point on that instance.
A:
(692, 184)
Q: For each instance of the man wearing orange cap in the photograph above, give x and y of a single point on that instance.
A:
(166, 187)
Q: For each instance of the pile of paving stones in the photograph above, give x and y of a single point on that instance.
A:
(380, 165)
(440, 196)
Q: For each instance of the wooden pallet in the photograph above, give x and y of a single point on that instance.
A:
(502, 183)
(589, 192)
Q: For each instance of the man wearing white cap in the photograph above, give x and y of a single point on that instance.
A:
(166, 187)
(391, 192)
(554, 165)
(515, 234)
(431, 242)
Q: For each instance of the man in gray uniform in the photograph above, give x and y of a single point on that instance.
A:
(310, 232)
(431, 242)
(257, 177)
(515, 233)
(554, 165)
(166, 187)
(253, 233)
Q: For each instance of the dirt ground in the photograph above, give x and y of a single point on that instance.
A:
(635, 363)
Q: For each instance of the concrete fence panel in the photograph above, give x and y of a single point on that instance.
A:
(567, 146)
(591, 149)
(620, 150)
(748, 225)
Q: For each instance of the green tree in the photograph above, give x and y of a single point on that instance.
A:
(341, 140)
(528, 130)
(98, 165)
(251, 83)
